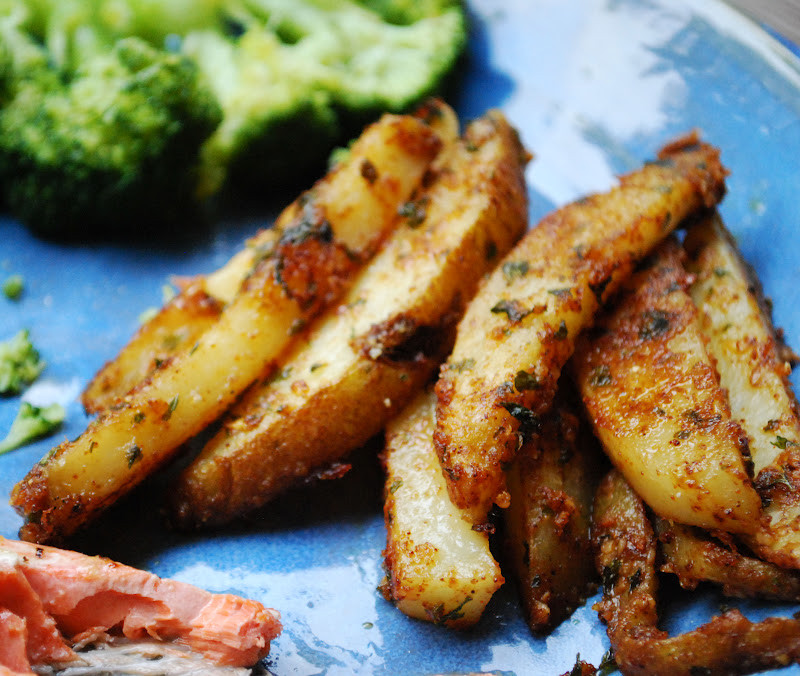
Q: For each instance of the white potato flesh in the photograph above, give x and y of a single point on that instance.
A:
(652, 395)
(753, 371)
(439, 568)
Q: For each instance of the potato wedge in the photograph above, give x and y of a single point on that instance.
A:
(309, 268)
(552, 483)
(754, 368)
(625, 554)
(379, 175)
(361, 363)
(439, 568)
(655, 403)
(694, 556)
(625, 551)
(521, 327)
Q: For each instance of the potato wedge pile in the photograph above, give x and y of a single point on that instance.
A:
(507, 367)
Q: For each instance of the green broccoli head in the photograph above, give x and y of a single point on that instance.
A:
(106, 151)
(296, 78)
(20, 363)
(22, 59)
(101, 132)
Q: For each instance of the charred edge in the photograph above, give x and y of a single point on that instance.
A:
(310, 266)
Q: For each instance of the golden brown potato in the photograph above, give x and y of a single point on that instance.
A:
(175, 328)
(379, 174)
(552, 483)
(311, 265)
(694, 556)
(362, 362)
(439, 568)
(653, 398)
(520, 329)
(754, 368)
(625, 554)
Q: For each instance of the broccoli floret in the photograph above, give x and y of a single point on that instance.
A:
(13, 287)
(108, 149)
(296, 78)
(121, 113)
(20, 363)
(32, 422)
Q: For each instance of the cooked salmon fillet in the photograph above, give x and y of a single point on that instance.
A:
(52, 600)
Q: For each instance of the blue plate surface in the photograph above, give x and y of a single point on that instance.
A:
(595, 88)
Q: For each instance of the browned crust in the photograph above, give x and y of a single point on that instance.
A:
(694, 556)
(552, 484)
(625, 555)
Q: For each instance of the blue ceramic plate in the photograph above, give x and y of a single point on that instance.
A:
(595, 87)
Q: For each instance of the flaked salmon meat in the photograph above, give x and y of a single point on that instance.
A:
(54, 602)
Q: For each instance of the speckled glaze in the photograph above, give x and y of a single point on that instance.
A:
(594, 88)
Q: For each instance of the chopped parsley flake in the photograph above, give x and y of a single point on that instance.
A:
(526, 381)
(515, 270)
(133, 455)
(512, 308)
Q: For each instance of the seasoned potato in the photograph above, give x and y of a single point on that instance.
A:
(694, 556)
(552, 483)
(654, 401)
(520, 330)
(311, 265)
(754, 368)
(625, 554)
(381, 172)
(438, 567)
(361, 363)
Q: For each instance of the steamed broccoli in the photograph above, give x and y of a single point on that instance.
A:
(108, 146)
(32, 422)
(20, 363)
(120, 112)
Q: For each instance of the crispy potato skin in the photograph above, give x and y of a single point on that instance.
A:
(552, 483)
(694, 556)
(362, 362)
(310, 266)
(439, 568)
(625, 555)
(754, 368)
(653, 398)
(527, 315)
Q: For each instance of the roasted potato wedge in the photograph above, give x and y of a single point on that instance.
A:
(552, 482)
(655, 403)
(625, 555)
(754, 368)
(694, 556)
(362, 362)
(380, 173)
(520, 329)
(310, 267)
(439, 568)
